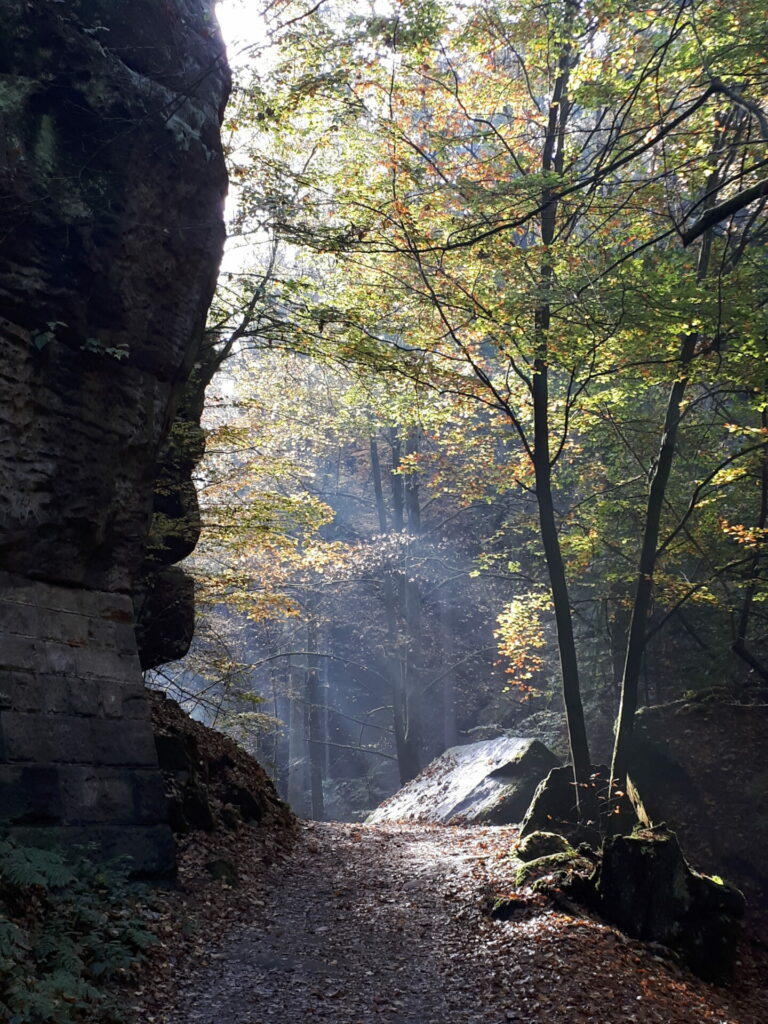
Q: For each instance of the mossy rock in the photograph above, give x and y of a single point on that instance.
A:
(542, 844)
(553, 808)
(543, 866)
(645, 887)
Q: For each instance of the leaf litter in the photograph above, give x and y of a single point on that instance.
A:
(391, 924)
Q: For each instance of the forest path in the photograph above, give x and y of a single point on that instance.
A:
(389, 925)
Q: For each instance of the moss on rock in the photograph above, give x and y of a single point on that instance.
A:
(534, 869)
(543, 844)
(645, 886)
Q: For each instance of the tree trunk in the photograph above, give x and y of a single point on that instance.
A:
(316, 737)
(399, 606)
(412, 603)
(298, 781)
(657, 490)
(617, 616)
(552, 160)
(412, 507)
(282, 711)
(569, 668)
(413, 678)
(447, 646)
(378, 490)
(397, 482)
(740, 644)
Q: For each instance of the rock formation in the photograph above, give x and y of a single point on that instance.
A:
(111, 230)
(487, 783)
(644, 885)
(699, 765)
(211, 782)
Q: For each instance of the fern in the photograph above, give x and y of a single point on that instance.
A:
(140, 938)
(46, 945)
(67, 957)
(12, 939)
(23, 866)
(68, 929)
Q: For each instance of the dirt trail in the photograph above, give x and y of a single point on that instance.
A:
(389, 925)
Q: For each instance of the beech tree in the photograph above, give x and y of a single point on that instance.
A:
(554, 214)
(494, 181)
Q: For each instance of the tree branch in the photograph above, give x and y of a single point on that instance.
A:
(725, 209)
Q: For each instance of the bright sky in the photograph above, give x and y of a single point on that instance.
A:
(241, 26)
(241, 23)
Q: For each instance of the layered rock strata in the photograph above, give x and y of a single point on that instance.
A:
(112, 179)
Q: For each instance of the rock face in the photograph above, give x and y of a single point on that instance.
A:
(700, 767)
(111, 231)
(112, 183)
(163, 594)
(553, 807)
(165, 605)
(645, 887)
(488, 783)
(77, 758)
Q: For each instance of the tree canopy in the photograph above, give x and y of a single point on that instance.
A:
(529, 241)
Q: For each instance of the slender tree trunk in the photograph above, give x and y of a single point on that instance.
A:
(394, 662)
(617, 616)
(552, 161)
(316, 737)
(280, 739)
(447, 646)
(740, 645)
(283, 751)
(397, 482)
(657, 490)
(412, 605)
(647, 564)
(569, 668)
(378, 490)
(412, 507)
(406, 722)
(413, 678)
(405, 768)
(298, 781)
(396, 670)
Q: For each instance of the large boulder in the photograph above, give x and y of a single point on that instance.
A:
(553, 807)
(700, 766)
(488, 783)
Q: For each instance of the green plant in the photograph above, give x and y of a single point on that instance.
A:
(70, 930)
(98, 348)
(43, 338)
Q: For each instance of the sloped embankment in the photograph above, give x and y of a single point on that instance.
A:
(212, 783)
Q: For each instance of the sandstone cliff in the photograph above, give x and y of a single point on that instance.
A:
(112, 181)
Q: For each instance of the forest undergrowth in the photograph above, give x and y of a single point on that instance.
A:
(354, 924)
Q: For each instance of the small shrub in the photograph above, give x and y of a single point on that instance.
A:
(69, 931)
